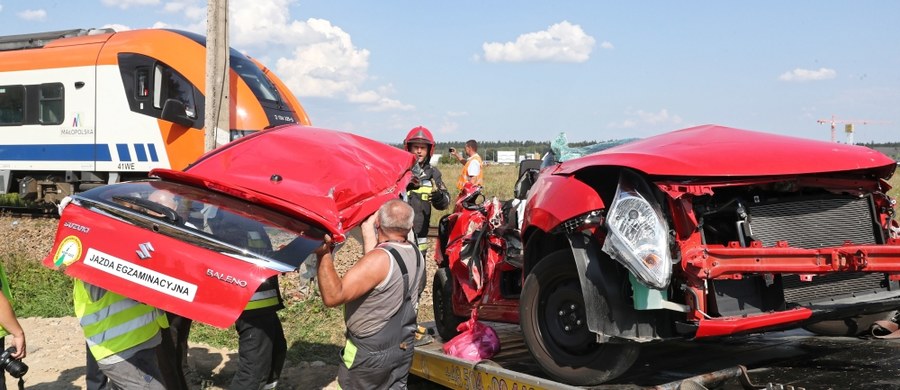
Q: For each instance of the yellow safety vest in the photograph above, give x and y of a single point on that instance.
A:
(463, 177)
(114, 323)
(4, 284)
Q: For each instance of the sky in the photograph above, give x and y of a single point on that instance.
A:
(530, 70)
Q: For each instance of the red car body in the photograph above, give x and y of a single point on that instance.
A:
(701, 232)
(287, 186)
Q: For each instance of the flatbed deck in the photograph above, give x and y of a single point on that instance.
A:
(794, 359)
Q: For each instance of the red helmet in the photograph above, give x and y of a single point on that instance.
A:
(420, 135)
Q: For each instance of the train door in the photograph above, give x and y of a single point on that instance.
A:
(140, 128)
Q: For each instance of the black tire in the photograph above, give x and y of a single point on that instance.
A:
(442, 299)
(552, 300)
(853, 326)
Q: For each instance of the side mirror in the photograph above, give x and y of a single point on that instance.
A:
(174, 111)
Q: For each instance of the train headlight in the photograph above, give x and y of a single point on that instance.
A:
(638, 233)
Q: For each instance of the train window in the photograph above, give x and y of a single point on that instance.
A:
(51, 104)
(12, 104)
(168, 84)
(142, 83)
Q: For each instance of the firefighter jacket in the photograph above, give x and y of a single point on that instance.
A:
(425, 191)
(267, 298)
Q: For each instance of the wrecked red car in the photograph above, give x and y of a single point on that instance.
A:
(242, 213)
(704, 232)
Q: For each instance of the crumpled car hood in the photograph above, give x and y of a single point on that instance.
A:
(333, 178)
(712, 150)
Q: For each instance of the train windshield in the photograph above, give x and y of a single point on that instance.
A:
(261, 86)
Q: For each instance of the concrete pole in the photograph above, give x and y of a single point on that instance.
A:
(217, 121)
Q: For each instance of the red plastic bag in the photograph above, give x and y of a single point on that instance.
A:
(476, 341)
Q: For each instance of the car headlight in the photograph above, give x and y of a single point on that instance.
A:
(638, 233)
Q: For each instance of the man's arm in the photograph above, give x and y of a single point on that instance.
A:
(11, 324)
(367, 273)
(370, 270)
(440, 197)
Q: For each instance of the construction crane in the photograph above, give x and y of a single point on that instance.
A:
(848, 126)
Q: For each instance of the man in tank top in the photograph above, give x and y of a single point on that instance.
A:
(379, 294)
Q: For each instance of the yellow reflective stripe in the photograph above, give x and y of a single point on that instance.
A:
(423, 190)
(349, 353)
(124, 342)
(261, 303)
(4, 285)
(114, 323)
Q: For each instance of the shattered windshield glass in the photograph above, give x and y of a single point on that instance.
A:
(563, 152)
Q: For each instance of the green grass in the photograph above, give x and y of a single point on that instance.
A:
(499, 181)
(37, 291)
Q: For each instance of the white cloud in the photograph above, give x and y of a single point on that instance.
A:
(33, 15)
(117, 27)
(808, 75)
(607, 45)
(643, 118)
(561, 42)
(313, 57)
(125, 4)
(1, 7)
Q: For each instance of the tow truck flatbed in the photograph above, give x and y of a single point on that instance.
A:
(794, 359)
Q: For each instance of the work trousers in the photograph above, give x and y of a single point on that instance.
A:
(262, 349)
(93, 377)
(140, 371)
(180, 328)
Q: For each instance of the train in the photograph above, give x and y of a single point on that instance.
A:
(83, 108)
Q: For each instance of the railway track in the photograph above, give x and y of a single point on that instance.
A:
(28, 212)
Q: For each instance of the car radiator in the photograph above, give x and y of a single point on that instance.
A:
(816, 223)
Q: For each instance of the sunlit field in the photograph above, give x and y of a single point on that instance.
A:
(499, 181)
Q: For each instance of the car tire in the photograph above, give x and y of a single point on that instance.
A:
(445, 320)
(553, 324)
(852, 326)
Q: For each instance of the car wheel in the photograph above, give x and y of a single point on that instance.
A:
(553, 323)
(853, 326)
(442, 299)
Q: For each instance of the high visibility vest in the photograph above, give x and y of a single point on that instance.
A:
(463, 177)
(264, 297)
(114, 324)
(4, 285)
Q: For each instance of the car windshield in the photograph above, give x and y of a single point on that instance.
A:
(211, 220)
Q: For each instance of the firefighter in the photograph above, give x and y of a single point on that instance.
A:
(427, 189)
(262, 347)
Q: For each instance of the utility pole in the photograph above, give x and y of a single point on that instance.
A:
(217, 118)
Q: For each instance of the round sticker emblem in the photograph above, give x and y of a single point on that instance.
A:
(69, 250)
